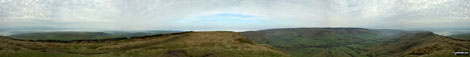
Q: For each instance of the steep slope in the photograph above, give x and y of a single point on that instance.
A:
(421, 44)
(318, 42)
(185, 44)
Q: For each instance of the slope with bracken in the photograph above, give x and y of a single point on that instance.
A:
(185, 44)
(420, 44)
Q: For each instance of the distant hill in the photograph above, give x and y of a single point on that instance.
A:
(61, 35)
(185, 44)
(341, 42)
(463, 36)
(72, 35)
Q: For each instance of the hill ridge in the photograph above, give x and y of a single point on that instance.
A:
(101, 40)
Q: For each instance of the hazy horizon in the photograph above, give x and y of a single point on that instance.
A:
(441, 16)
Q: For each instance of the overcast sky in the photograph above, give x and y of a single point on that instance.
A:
(232, 15)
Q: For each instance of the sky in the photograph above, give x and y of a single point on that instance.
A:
(232, 15)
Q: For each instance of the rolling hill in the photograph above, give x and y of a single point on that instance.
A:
(350, 42)
(73, 35)
(62, 36)
(420, 44)
(463, 36)
(184, 44)
(285, 42)
(308, 42)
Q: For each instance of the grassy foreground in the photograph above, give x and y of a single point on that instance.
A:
(187, 44)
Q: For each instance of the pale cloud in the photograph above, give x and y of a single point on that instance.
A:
(179, 14)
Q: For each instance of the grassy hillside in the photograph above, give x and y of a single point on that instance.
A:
(463, 36)
(296, 42)
(187, 44)
(357, 42)
(422, 44)
(318, 42)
